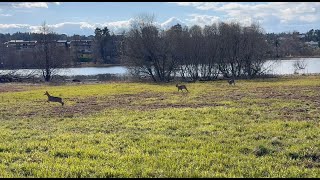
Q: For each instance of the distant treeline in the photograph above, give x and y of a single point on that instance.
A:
(192, 53)
(311, 35)
(203, 53)
(28, 36)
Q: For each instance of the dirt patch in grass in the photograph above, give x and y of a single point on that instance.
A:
(76, 107)
(11, 88)
(7, 87)
(90, 105)
(290, 92)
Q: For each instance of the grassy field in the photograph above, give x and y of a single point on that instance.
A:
(257, 128)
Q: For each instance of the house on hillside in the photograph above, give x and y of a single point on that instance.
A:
(312, 44)
(21, 44)
(63, 43)
(301, 36)
(83, 49)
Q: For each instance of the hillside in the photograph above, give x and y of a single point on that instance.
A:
(257, 128)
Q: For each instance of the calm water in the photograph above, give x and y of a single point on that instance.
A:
(93, 71)
(286, 66)
(119, 70)
(271, 66)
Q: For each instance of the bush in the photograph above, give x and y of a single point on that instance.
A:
(261, 151)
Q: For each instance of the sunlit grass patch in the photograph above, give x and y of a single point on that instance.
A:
(254, 129)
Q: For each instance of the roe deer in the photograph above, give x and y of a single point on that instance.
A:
(76, 80)
(54, 99)
(231, 81)
(181, 87)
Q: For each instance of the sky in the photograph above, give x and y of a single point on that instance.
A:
(83, 17)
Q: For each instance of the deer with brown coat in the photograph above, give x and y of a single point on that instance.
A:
(181, 87)
(54, 99)
(232, 81)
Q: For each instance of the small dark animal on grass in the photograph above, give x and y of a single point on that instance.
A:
(181, 87)
(76, 80)
(231, 81)
(54, 99)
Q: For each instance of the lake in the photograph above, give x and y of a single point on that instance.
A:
(271, 66)
(85, 71)
(286, 66)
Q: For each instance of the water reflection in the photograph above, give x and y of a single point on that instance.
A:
(286, 66)
(270, 67)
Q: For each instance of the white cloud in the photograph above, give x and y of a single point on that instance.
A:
(187, 3)
(86, 28)
(282, 13)
(30, 5)
(202, 20)
(117, 26)
(6, 15)
(309, 18)
(27, 5)
(70, 28)
(171, 22)
(287, 16)
(7, 26)
(12, 28)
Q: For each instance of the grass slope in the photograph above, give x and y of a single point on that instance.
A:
(258, 128)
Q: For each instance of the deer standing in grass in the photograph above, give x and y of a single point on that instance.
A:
(181, 87)
(231, 81)
(54, 99)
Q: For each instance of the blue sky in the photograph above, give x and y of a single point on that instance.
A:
(83, 17)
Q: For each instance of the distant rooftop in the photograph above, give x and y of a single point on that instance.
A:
(21, 41)
(81, 40)
(16, 41)
(312, 43)
(62, 41)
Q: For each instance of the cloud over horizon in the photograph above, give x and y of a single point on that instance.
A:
(85, 28)
(271, 16)
(266, 14)
(27, 4)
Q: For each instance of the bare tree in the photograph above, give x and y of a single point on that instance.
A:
(2, 55)
(195, 52)
(49, 56)
(175, 38)
(242, 50)
(299, 65)
(210, 68)
(147, 50)
(253, 50)
(11, 58)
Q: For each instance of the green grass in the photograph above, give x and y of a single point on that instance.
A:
(258, 128)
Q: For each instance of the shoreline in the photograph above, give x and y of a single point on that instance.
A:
(296, 57)
(84, 65)
(75, 66)
(95, 65)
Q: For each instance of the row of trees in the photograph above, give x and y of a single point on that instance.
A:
(46, 56)
(29, 36)
(289, 44)
(313, 35)
(103, 50)
(106, 49)
(194, 53)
